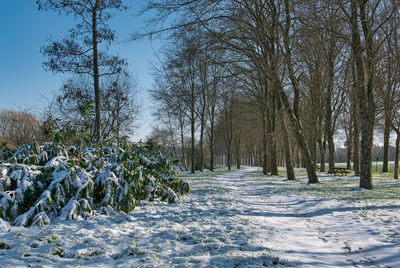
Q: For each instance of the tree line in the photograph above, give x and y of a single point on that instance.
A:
(278, 76)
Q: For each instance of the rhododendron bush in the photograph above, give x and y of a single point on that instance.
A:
(43, 183)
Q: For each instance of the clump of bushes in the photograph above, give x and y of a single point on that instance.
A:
(42, 183)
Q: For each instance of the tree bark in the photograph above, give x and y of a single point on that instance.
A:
(183, 142)
(192, 126)
(273, 156)
(212, 145)
(322, 150)
(96, 78)
(298, 133)
(349, 146)
(288, 152)
(386, 136)
(201, 144)
(329, 124)
(396, 159)
(356, 122)
(365, 89)
(238, 153)
(265, 145)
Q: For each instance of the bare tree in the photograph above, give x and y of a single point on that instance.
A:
(119, 108)
(18, 128)
(371, 16)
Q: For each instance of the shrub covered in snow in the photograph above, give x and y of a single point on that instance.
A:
(39, 184)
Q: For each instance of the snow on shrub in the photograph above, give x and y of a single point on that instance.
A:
(39, 184)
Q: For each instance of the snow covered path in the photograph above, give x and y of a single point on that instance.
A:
(239, 219)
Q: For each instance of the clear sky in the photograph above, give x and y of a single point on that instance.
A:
(24, 84)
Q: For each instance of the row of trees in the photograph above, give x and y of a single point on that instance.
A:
(300, 69)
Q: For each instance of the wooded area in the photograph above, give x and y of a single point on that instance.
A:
(259, 82)
(242, 90)
(277, 80)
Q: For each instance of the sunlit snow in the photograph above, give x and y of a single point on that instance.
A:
(237, 219)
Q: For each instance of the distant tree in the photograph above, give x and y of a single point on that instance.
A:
(18, 128)
(162, 137)
(79, 52)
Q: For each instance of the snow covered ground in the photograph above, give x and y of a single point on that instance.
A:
(238, 219)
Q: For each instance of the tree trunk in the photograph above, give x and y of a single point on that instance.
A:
(349, 148)
(192, 127)
(96, 78)
(201, 144)
(238, 154)
(265, 146)
(293, 117)
(212, 140)
(365, 89)
(322, 150)
(356, 123)
(298, 133)
(331, 150)
(288, 152)
(367, 132)
(329, 124)
(183, 143)
(273, 154)
(313, 146)
(396, 159)
(171, 134)
(229, 159)
(386, 136)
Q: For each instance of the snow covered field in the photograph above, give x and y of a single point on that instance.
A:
(237, 219)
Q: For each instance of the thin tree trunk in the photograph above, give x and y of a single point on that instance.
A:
(212, 140)
(192, 127)
(322, 150)
(201, 144)
(314, 150)
(396, 159)
(96, 77)
(171, 134)
(265, 146)
(228, 162)
(386, 136)
(273, 154)
(356, 123)
(183, 143)
(288, 152)
(238, 154)
(349, 148)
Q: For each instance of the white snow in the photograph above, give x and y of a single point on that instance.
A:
(238, 219)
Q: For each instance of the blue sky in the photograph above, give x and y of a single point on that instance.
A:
(24, 84)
